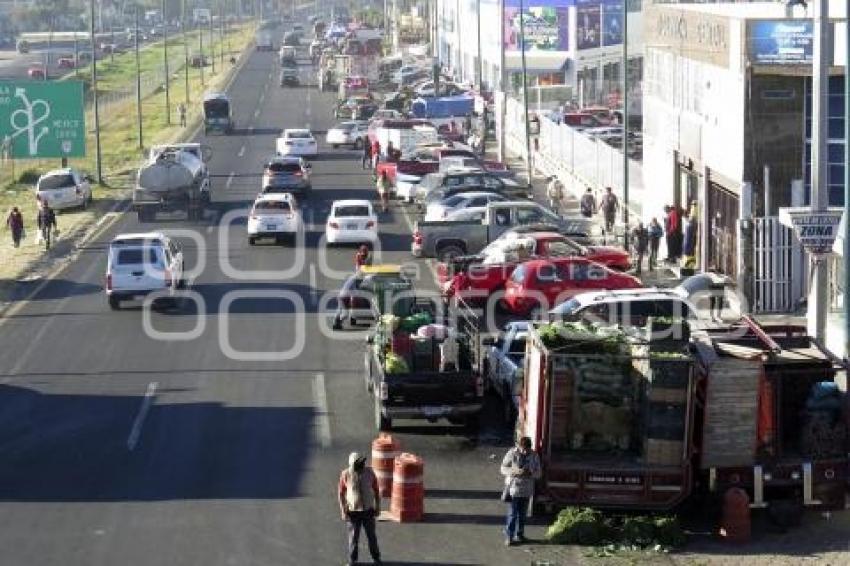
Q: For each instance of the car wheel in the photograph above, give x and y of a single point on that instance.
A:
(448, 253)
(114, 303)
(335, 145)
(251, 241)
(382, 423)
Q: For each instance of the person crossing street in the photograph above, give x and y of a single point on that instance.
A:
(555, 194)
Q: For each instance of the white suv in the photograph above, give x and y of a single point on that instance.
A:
(64, 188)
(274, 215)
(140, 264)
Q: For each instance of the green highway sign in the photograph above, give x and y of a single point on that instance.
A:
(42, 119)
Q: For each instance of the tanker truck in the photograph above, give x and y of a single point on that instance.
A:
(174, 178)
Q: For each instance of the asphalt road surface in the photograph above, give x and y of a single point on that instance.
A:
(209, 443)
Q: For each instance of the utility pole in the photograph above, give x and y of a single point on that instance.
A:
(221, 31)
(76, 57)
(185, 54)
(98, 157)
(50, 48)
(822, 58)
(212, 49)
(201, 52)
(165, 63)
(480, 69)
(846, 185)
(138, 80)
(524, 89)
(625, 98)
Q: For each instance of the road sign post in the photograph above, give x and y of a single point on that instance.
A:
(43, 119)
(816, 230)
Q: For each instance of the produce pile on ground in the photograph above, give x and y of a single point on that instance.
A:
(590, 527)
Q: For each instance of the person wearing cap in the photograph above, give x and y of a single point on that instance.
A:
(359, 505)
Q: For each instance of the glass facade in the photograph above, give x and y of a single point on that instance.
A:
(836, 141)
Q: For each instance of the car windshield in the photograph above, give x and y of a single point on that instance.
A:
(217, 108)
(345, 126)
(55, 182)
(286, 167)
(517, 345)
(298, 135)
(518, 276)
(273, 206)
(569, 307)
(453, 200)
(351, 210)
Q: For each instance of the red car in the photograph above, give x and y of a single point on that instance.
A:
(65, 63)
(36, 72)
(538, 285)
(474, 279)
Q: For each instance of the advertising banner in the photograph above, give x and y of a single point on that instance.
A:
(545, 21)
(612, 22)
(781, 42)
(588, 24)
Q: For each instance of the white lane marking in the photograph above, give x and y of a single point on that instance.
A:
(229, 179)
(241, 151)
(428, 262)
(314, 288)
(136, 431)
(262, 97)
(320, 397)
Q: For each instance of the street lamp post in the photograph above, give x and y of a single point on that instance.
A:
(524, 89)
(212, 49)
(138, 79)
(98, 157)
(625, 98)
(201, 52)
(165, 64)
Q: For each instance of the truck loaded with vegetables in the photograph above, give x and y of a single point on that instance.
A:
(417, 367)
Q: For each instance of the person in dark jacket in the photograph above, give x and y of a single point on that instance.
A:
(654, 232)
(640, 242)
(366, 160)
(15, 223)
(359, 505)
(46, 222)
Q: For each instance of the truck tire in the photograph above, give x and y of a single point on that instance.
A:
(450, 251)
(382, 423)
(114, 303)
(251, 240)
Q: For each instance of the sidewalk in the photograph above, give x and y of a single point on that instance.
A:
(663, 276)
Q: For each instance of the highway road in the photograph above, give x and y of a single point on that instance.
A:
(220, 440)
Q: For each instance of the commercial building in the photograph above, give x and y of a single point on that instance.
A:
(576, 44)
(727, 120)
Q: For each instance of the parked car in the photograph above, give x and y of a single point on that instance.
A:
(286, 174)
(353, 133)
(504, 358)
(625, 307)
(65, 63)
(274, 216)
(140, 264)
(64, 188)
(473, 199)
(36, 72)
(447, 239)
(297, 141)
(437, 186)
(579, 121)
(535, 286)
(352, 221)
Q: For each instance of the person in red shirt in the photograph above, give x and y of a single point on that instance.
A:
(376, 154)
(362, 257)
(359, 505)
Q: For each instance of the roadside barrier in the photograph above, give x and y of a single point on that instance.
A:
(384, 451)
(408, 498)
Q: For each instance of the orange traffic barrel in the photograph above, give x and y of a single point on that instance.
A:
(384, 451)
(735, 521)
(408, 499)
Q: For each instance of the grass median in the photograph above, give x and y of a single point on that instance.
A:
(118, 136)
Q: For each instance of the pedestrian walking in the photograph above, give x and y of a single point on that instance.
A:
(588, 203)
(181, 111)
(376, 154)
(609, 207)
(555, 194)
(359, 505)
(46, 222)
(654, 232)
(15, 223)
(521, 467)
(640, 244)
(366, 160)
(673, 230)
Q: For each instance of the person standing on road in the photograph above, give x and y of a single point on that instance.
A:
(640, 241)
(588, 203)
(46, 221)
(367, 155)
(15, 222)
(359, 505)
(181, 111)
(609, 207)
(376, 154)
(654, 232)
(383, 187)
(521, 467)
(673, 229)
(555, 193)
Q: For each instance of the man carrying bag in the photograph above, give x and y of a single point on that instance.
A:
(520, 467)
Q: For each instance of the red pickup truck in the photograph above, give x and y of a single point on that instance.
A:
(474, 279)
(427, 160)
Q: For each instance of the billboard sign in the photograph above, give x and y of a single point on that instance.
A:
(545, 21)
(43, 119)
(588, 24)
(612, 22)
(781, 42)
